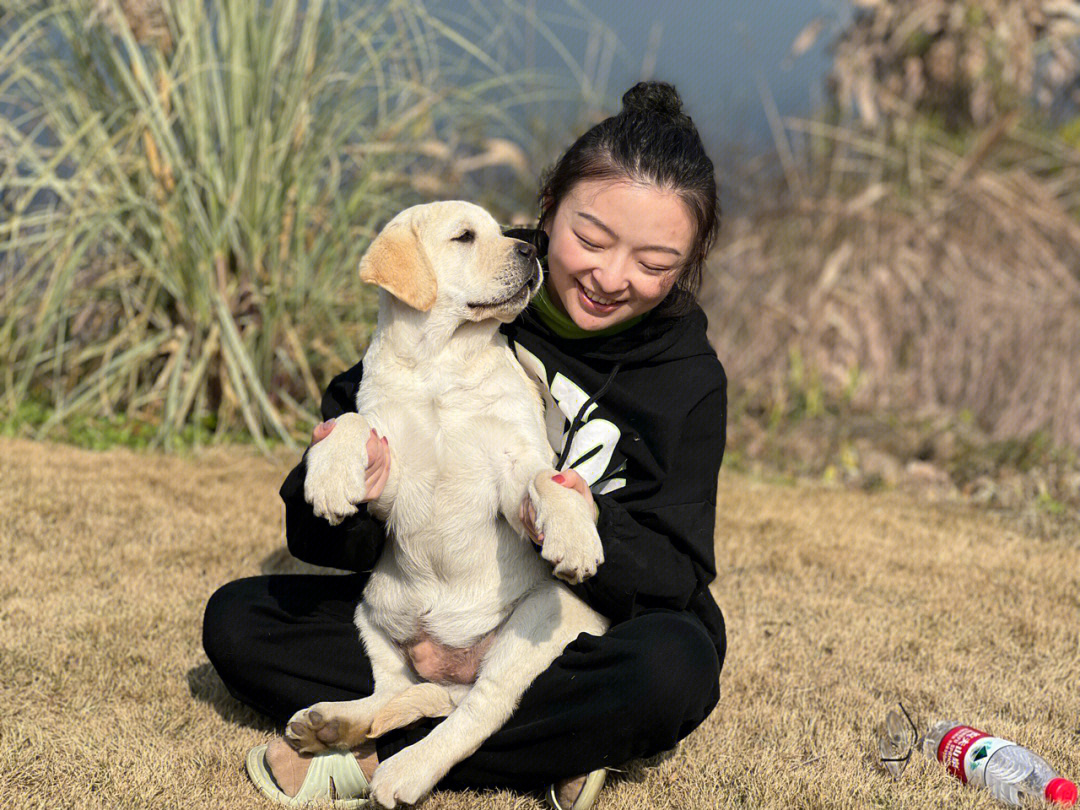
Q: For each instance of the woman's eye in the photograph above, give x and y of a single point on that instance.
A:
(586, 242)
(465, 236)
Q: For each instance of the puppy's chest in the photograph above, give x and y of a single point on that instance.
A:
(446, 431)
(464, 436)
(468, 411)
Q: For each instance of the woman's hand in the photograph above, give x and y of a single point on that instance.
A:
(378, 454)
(569, 479)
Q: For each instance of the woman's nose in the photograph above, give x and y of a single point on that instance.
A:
(610, 276)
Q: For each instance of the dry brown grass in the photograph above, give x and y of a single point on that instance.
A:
(837, 602)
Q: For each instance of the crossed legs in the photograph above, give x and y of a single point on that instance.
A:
(281, 644)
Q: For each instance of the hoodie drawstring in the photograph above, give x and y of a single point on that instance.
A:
(579, 417)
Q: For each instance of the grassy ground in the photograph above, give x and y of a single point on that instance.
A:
(838, 603)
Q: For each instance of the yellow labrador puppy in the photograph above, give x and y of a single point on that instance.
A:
(461, 613)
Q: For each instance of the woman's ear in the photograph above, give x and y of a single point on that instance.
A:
(397, 262)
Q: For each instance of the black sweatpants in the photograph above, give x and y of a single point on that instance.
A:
(281, 643)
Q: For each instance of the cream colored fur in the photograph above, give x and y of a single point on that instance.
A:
(468, 442)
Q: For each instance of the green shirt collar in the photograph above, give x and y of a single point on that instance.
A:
(562, 325)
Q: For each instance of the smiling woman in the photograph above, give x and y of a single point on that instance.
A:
(615, 250)
(631, 210)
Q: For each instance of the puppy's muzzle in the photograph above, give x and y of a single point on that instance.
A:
(525, 277)
(531, 274)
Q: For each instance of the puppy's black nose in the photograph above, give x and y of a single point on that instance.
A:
(525, 250)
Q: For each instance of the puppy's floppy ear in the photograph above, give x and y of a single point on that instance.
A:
(398, 263)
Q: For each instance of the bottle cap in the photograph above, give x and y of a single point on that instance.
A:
(1061, 791)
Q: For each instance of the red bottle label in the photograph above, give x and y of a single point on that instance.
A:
(953, 749)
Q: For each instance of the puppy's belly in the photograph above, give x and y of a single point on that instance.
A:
(436, 662)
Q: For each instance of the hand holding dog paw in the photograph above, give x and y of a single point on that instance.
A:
(569, 479)
(378, 453)
(347, 464)
(378, 467)
(563, 525)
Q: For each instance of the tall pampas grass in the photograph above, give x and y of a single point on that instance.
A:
(187, 188)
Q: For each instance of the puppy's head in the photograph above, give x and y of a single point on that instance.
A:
(451, 257)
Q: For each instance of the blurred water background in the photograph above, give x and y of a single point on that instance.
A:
(733, 62)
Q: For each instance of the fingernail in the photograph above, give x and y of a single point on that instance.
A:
(558, 478)
(384, 440)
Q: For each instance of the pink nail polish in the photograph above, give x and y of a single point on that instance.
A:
(558, 478)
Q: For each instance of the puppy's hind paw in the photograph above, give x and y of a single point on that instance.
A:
(311, 731)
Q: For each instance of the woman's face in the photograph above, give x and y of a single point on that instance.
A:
(615, 250)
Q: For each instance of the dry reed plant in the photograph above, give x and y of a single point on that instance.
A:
(838, 604)
(918, 277)
(968, 61)
(923, 262)
(147, 20)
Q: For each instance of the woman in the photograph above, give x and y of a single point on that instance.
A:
(637, 400)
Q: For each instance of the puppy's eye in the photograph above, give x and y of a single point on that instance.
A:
(465, 236)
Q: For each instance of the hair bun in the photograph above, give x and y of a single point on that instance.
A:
(656, 98)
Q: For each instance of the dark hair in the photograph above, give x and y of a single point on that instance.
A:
(649, 141)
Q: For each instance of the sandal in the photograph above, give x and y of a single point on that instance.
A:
(589, 791)
(333, 780)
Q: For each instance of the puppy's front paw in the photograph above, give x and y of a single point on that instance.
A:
(334, 483)
(574, 555)
(571, 543)
(405, 778)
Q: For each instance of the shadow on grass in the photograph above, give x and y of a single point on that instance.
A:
(207, 687)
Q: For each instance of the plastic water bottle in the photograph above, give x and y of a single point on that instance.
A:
(1009, 771)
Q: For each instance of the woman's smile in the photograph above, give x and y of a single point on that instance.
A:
(600, 304)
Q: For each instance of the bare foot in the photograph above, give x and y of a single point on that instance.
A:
(566, 791)
(288, 768)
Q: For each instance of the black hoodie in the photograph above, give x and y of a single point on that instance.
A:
(650, 446)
